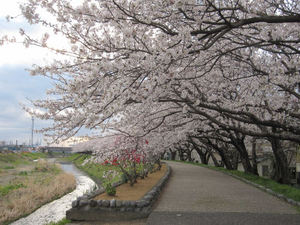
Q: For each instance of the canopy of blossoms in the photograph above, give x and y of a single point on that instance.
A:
(224, 72)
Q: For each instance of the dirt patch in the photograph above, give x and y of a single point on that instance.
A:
(138, 190)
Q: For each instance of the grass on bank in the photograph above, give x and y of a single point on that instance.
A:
(286, 190)
(61, 222)
(94, 170)
(12, 160)
(29, 190)
(4, 190)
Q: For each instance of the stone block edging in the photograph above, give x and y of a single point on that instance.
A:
(85, 208)
(280, 196)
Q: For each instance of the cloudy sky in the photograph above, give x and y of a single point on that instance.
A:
(16, 85)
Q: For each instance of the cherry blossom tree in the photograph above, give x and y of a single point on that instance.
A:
(168, 68)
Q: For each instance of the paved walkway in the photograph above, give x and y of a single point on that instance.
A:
(196, 195)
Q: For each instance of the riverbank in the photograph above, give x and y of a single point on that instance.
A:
(56, 210)
(37, 183)
(28, 181)
(94, 170)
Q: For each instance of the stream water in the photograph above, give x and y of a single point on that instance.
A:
(56, 210)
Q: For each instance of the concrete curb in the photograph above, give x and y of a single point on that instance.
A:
(85, 208)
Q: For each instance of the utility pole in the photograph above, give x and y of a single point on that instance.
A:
(32, 127)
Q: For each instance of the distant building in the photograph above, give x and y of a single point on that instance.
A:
(71, 141)
(49, 149)
(64, 147)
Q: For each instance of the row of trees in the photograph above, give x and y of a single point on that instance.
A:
(216, 75)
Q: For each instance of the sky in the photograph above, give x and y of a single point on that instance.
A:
(16, 84)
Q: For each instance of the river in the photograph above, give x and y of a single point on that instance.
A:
(56, 210)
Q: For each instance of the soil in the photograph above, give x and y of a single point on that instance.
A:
(138, 190)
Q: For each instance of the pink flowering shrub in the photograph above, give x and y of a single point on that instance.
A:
(131, 164)
(132, 155)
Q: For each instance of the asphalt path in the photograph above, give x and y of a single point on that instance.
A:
(198, 218)
(197, 195)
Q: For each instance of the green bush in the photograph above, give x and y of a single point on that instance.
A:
(23, 173)
(9, 167)
(110, 190)
(124, 178)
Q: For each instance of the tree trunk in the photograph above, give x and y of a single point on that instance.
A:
(221, 152)
(214, 159)
(181, 155)
(223, 156)
(254, 157)
(202, 156)
(189, 155)
(158, 164)
(173, 155)
(281, 174)
(235, 160)
(207, 156)
(241, 148)
(200, 153)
